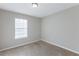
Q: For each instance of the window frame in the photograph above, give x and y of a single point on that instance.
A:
(26, 34)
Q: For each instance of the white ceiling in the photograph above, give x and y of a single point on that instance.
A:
(43, 9)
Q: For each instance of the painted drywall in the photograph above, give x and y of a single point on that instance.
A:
(7, 29)
(62, 28)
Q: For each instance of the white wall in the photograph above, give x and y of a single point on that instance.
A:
(62, 28)
(7, 29)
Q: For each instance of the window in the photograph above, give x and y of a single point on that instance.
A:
(20, 28)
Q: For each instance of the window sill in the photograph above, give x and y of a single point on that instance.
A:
(20, 38)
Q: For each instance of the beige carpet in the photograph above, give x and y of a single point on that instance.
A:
(37, 49)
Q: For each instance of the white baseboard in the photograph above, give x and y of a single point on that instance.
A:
(60, 46)
(19, 45)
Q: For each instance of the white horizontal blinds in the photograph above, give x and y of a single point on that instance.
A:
(20, 28)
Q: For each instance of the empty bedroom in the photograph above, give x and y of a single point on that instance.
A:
(39, 29)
